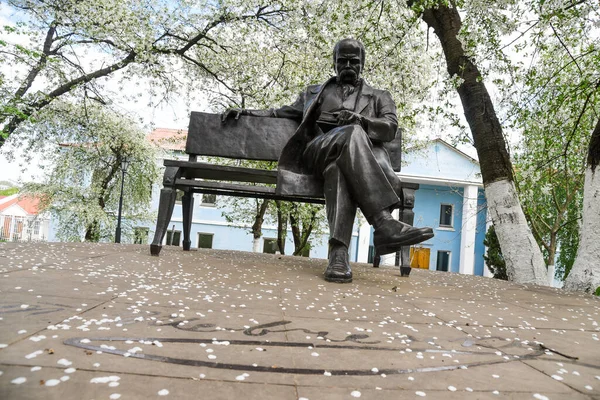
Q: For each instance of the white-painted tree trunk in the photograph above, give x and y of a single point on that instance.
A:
(551, 273)
(523, 257)
(256, 245)
(585, 275)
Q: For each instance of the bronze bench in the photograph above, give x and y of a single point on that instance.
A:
(249, 138)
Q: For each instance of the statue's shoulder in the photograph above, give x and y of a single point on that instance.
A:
(370, 90)
(313, 89)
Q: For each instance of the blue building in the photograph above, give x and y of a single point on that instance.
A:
(450, 200)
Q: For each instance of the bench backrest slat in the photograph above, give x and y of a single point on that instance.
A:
(253, 138)
(250, 138)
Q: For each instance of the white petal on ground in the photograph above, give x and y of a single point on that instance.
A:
(163, 392)
(422, 394)
(355, 393)
(105, 379)
(51, 382)
(34, 354)
(19, 380)
(540, 397)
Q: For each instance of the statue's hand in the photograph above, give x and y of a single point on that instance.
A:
(231, 113)
(346, 117)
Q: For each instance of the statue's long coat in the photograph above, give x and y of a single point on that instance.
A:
(376, 106)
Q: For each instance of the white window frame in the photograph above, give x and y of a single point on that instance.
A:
(451, 226)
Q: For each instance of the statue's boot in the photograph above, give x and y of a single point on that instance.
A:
(338, 270)
(390, 234)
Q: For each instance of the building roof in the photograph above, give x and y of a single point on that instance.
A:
(462, 153)
(169, 139)
(29, 204)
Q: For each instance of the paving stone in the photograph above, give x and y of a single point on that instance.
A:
(227, 324)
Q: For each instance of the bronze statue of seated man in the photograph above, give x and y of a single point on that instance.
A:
(343, 123)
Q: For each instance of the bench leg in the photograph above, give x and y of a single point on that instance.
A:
(376, 260)
(187, 205)
(165, 211)
(407, 216)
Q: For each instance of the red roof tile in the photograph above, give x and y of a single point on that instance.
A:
(29, 204)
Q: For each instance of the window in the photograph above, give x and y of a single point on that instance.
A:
(173, 238)
(209, 200)
(140, 235)
(446, 216)
(443, 261)
(205, 240)
(36, 227)
(270, 246)
(371, 255)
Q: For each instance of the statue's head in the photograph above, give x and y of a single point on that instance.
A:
(348, 60)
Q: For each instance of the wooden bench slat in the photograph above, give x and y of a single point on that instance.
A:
(232, 189)
(223, 172)
(251, 138)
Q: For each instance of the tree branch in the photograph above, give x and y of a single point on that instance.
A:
(14, 122)
(40, 64)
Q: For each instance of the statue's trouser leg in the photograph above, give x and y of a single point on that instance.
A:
(383, 159)
(341, 209)
(350, 149)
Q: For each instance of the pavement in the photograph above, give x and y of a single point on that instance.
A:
(105, 321)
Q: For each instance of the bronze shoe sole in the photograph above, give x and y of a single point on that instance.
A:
(413, 238)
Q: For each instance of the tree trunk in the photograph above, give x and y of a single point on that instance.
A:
(256, 244)
(585, 274)
(296, 232)
(550, 262)
(524, 260)
(259, 218)
(301, 230)
(281, 227)
(92, 232)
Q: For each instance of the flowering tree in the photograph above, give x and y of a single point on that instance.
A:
(70, 48)
(554, 102)
(481, 41)
(585, 274)
(82, 187)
